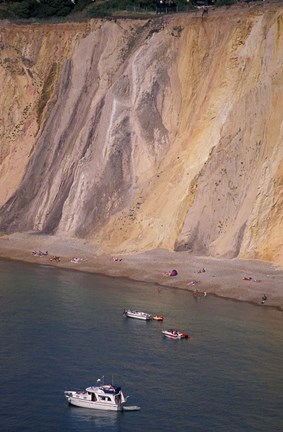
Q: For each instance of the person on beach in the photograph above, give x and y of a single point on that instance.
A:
(171, 273)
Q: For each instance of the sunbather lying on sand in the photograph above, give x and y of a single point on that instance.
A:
(193, 282)
(171, 273)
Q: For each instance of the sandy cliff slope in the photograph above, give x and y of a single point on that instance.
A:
(138, 135)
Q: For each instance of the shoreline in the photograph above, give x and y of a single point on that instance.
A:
(224, 278)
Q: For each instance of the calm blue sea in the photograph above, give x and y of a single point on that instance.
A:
(62, 330)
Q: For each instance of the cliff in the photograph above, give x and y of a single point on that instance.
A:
(143, 134)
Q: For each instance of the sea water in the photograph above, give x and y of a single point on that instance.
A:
(62, 330)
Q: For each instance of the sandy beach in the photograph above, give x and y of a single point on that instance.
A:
(237, 279)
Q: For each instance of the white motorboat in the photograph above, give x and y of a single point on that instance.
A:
(104, 397)
(175, 334)
(137, 314)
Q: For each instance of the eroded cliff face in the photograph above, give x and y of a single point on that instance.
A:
(143, 134)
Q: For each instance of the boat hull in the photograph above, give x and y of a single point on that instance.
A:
(105, 406)
(172, 337)
(137, 315)
(175, 335)
(143, 318)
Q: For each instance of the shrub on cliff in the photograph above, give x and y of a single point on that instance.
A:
(42, 9)
(108, 8)
(24, 9)
(220, 3)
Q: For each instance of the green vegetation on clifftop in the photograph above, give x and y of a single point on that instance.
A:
(79, 9)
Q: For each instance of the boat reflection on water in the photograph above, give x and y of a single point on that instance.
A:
(99, 418)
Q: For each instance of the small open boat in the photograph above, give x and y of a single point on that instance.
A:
(175, 334)
(131, 408)
(137, 314)
(158, 317)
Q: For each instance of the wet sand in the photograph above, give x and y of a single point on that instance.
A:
(224, 278)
